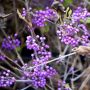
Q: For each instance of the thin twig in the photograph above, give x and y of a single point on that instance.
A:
(23, 18)
(84, 72)
(25, 87)
(11, 60)
(3, 68)
(60, 57)
(24, 81)
(84, 82)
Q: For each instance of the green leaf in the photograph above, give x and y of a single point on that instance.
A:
(87, 20)
(67, 2)
(20, 47)
(82, 21)
(70, 12)
(45, 29)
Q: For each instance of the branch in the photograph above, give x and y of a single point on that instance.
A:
(24, 19)
(60, 57)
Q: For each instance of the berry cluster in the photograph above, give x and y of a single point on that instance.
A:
(74, 33)
(80, 13)
(2, 57)
(43, 16)
(41, 50)
(24, 12)
(6, 79)
(10, 43)
(40, 73)
(66, 34)
(31, 44)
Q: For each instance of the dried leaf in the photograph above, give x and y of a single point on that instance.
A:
(82, 50)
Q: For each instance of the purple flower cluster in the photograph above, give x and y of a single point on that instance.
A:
(43, 16)
(6, 79)
(80, 13)
(10, 43)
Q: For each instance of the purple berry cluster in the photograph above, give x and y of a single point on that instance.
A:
(69, 35)
(43, 16)
(31, 44)
(38, 76)
(10, 43)
(41, 49)
(24, 12)
(6, 79)
(2, 57)
(66, 34)
(80, 13)
(40, 73)
(74, 33)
